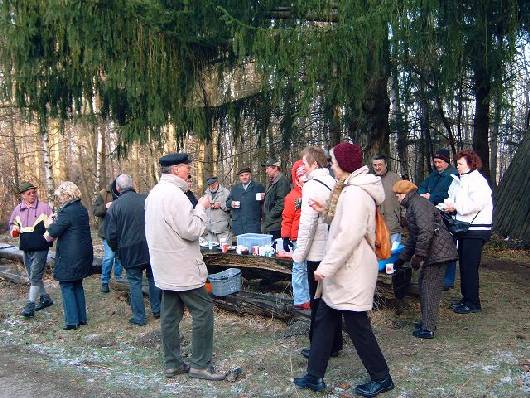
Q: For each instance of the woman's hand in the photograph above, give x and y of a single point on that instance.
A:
(449, 208)
(317, 206)
(319, 276)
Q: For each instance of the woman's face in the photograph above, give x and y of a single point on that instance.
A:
(462, 166)
(339, 173)
(309, 167)
(400, 196)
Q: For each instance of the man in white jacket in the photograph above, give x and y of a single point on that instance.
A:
(172, 231)
(312, 230)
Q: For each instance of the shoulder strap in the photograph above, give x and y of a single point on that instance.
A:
(317, 180)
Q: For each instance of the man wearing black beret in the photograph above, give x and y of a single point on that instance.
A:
(172, 231)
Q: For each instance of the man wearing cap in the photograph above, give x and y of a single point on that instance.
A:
(435, 188)
(29, 221)
(245, 201)
(275, 194)
(218, 214)
(101, 206)
(172, 231)
(390, 209)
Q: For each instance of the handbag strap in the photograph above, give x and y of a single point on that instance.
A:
(317, 180)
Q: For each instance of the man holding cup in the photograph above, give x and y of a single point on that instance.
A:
(245, 201)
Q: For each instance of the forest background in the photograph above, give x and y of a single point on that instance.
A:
(90, 89)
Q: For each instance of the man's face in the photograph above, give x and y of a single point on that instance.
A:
(182, 170)
(213, 187)
(271, 171)
(245, 178)
(379, 167)
(30, 196)
(440, 164)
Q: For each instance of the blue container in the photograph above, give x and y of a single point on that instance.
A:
(250, 239)
(393, 257)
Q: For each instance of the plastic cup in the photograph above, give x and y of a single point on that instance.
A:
(389, 269)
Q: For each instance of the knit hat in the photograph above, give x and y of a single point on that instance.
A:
(404, 186)
(348, 156)
(442, 154)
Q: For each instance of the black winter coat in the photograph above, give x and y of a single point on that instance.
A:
(247, 218)
(428, 236)
(74, 254)
(273, 205)
(125, 229)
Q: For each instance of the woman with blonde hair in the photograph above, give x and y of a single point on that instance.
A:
(74, 254)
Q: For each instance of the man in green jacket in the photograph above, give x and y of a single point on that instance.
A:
(435, 188)
(275, 194)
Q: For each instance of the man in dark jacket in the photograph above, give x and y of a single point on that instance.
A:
(101, 205)
(125, 231)
(275, 195)
(245, 204)
(435, 188)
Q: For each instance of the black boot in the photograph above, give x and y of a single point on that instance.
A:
(422, 333)
(310, 382)
(45, 301)
(374, 387)
(29, 310)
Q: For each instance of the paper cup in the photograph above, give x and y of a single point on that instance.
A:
(389, 268)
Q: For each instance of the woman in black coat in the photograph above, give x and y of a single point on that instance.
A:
(74, 254)
(429, 248)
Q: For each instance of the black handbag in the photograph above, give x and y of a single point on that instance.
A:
(401, 281)
(456, 226)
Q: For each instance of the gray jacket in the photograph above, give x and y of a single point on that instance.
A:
(218, 220)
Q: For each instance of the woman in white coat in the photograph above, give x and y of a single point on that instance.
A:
(470, 201)
(347, 274)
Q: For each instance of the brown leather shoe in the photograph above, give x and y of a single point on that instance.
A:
(207, 374)
(172, 372)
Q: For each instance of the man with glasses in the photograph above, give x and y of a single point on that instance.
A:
(29, 221)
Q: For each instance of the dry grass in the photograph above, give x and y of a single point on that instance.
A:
(479, 355)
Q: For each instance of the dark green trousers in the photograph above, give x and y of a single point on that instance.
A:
(200, 306)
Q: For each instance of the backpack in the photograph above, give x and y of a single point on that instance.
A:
(383, 246)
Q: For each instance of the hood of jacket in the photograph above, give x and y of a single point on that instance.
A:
(294, 178)
(370, 183)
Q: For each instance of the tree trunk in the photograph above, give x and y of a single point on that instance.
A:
(398, 122)
(47, 165)
(512, 211)
(16, 160)
(494, 142)
(482, 86)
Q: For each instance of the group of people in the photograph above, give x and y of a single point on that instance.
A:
(327, 219)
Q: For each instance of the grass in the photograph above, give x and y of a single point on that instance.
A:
(479, 355)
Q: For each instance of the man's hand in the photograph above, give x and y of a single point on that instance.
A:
(204, 202)
(416, 262)
(107, 205)
(426, 195)
(319, 276)
(216, 206)
(15, 231)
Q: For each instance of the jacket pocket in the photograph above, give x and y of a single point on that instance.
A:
(201, 269)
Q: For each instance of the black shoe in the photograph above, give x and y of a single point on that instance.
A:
(83, 323)
(105, 288)
(44, 302)
(457, 304)
(305, 353)
(132, 321)
(310, 382)
(156, 315)
(466, 309)
(70, 327)
(374, 387)
(421, 333)
(29, 310)
(418, 325)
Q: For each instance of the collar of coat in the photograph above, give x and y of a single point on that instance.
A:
(175, 180)
(408, 198)
(318, 173)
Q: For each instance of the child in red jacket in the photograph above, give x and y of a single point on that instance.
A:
(289, 233)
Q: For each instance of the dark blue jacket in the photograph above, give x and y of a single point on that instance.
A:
(125, 229)
(248, 217)
(437, 185)
(74, 254)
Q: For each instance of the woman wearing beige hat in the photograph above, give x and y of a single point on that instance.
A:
(429, 248)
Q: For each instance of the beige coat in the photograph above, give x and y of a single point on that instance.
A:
(349, 265)
(172, 230)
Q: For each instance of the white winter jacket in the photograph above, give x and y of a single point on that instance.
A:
(471, 195)
(312, 230)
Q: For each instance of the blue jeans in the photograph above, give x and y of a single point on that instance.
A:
(74, 305)
(299, 282)
(134, 276)
(109, 259)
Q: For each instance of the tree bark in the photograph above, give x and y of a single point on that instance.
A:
(482, 87)
(47, 165)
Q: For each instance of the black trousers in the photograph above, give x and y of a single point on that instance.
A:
(360, 331)
(337, 340)
(469, 256)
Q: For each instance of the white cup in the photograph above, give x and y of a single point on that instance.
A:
(389, 269)
(236, 204)
(258, 196)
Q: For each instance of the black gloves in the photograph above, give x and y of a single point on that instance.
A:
(287, 244)
(416, 261)
(398, 263)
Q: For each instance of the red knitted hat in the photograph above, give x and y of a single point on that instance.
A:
(349, 156)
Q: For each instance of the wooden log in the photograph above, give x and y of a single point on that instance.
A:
(11, 273)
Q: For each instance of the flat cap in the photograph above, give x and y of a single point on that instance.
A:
(172, 159)
(244, 170)
(272, 162)
(211, 180)
(26, 186)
